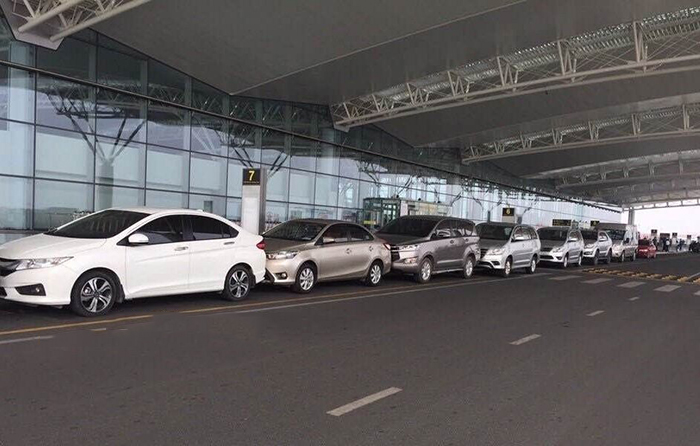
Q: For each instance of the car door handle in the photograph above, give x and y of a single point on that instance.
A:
(229, 243)
(371, 248)
(181, 248)
(452, 242)
(348, 251)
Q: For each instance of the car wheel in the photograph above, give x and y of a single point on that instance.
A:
(239, 281)
(622, 258)
(565, 262)
(374, 275)
(468, 270)
(507, 268)
(94, 294)
(608, 258)
(580, 260)
(425, 272)
(306, 279)
(595, 258)
(533, 266)
(634, 257)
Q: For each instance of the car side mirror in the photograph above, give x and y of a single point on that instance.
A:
(138, 238)
(518, 238)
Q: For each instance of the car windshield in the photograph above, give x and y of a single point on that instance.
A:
(300, 231)
(103, 224)
(616, 234)
(553, 234)
(494, 232)
(416, 227)
(644, 243)
(590, 236)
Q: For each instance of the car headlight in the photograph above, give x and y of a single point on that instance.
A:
(39, 263)
(617, 248)
(282, 255)
(590, 245)
(408, 247)
(558, 249)
(495, 251)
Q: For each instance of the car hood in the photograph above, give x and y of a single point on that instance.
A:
(277, 244)
(488, 244)
(551, 243)
(398, 239)
(47, 246)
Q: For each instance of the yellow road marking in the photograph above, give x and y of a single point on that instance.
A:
(77, 324)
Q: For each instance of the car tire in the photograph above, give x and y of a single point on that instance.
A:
(507, 268)
(239, 282)
(94, 294)
(580, 260)
(634, 257)
(468, 270)
(565, 262)
(305, 280)
(595, 258)
(425, 271)
(608, 258)
(374, 275)
(533, 266)
(622, 258)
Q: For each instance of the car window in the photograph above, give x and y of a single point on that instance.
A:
(359, 234)
(463, 228)
(103, 224)
(416, 227)
(533, 233)
(520, 233)
(335, 234)
(206, 228)
(444, 229)
(164, 230)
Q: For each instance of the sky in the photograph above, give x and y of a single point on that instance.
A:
(684, 221)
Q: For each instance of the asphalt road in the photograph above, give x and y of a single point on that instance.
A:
(558, 358)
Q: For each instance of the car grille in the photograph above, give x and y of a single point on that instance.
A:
(4, 263)
(545, 249)
(394, 255)
(484, 251)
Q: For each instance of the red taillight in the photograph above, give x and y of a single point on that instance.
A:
(261, 245)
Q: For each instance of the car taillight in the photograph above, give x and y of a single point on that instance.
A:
(261, 245)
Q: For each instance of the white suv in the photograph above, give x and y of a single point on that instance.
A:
(121, 254)
(505, 246)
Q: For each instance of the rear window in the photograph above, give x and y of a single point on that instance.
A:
(300, 231)
(105, 224)
(644, 243)
(416, 227)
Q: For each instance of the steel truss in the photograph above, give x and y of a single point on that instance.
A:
(663, 204)
(666, 190)
(664, 43)
(66, 17)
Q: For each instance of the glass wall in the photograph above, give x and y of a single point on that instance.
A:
(68, 148)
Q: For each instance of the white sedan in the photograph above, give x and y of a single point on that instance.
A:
(121, 254)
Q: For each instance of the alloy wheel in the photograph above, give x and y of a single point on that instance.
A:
(306, 279)
(425, 270)
(239, 284)
(469, 267)
(96, 295)
(375, 274)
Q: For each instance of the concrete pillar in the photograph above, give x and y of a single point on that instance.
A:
(630, 217)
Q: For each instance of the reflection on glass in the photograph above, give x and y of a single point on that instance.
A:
(300, 211)
(208, 98)
(328, 160)
(301, 186)
(16, 144)
(121, 116)
(73, 58)
(121, 67)
(275, 213)
(16, 94)
(348, 192)
(64, 155)
(326, 190)
(13, 50)
(304, 154)
(235, 177)
(233, 210)
(209, 135)
(275, 148)
(244, 143)
(166, 200)
(65, 104)
(278, 184)
(120, 163)
(167, 169)
(352, 215)
(349, 163)
(167, 126)
(108, 197)
(15, 203)
(208, 174)
(57, 203)
(167, 83)
(214, 205)
(326, 213)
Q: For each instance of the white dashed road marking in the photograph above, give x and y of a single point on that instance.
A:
(561, 278)
(633, 298)
(668, 288)
(595, 281)
(35, 338)
(342, 410)
(520, 341)
(631, 284)
(595, 313)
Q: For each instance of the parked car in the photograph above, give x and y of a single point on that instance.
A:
(625, 239)
(301, 253)
(505, 246)
(426, 245)
(694, 247)
(597, 246)
(646, 249)
(121, 254)
(561, 246)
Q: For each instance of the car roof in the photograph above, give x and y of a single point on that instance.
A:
(157, 211)
(498, 223)
(556, 227)
(322, 221)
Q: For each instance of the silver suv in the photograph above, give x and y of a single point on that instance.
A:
(505, 246)
(561, 246)
(426, 245)
(597, 246)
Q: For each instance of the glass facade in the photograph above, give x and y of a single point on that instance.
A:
(70, 146)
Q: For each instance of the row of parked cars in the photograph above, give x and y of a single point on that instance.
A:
(122, 254)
